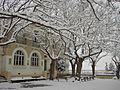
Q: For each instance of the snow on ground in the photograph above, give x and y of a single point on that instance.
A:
(97, 84)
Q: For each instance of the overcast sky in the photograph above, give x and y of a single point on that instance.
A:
(100, 65)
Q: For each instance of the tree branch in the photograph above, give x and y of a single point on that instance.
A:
(93, 9)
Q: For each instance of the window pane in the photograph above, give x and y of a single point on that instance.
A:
(19, 58)
(34, 59)
(22, 60)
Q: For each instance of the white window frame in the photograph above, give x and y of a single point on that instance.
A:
(34, 59)
(19, 57)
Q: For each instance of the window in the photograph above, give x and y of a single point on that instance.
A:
(19, 58)
(10, 60)
(45, 65)
(34, 59)
(36, 32)
(35, 36)
(34, 39)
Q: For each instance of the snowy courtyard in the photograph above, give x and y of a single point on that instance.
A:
(97, 84)
(42, 40)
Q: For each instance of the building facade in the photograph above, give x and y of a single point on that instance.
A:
(23, 58)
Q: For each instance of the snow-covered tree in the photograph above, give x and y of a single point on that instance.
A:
(51, 45)
(61, 65)
(110, 34)
(111, 67)
(117, 63)
(49, 13)
(95, 59)
(11, 25)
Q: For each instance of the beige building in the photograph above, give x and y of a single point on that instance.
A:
(23, 58)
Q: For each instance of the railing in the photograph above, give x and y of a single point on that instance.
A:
(23, 40)
(97, 72)
(36, 44)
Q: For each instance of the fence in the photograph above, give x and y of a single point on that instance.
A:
(97, 72)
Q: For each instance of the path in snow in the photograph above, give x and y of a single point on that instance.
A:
(97, 84)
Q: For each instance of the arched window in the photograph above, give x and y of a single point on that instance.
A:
(34, 59)
(19, 58)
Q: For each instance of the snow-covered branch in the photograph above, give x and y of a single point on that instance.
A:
(12, 40)
(33, 20)
(93, 10)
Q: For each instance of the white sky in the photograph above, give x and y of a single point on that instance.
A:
(100, 65)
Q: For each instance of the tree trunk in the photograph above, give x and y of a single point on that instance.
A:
(118, 71)
(117, 74)
(73, 67)
(52, 70)
(73, 70)
(93, 69)
(79, 67)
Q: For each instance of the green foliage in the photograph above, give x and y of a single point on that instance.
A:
(105, 76)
